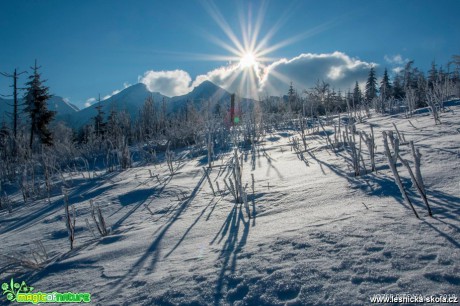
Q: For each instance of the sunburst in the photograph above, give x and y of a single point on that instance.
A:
(249, 51)
(248, 60)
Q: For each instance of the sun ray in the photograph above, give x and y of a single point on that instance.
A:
(225, 45)
(258, 25)
(220, 20)
(316, 30)
(285, 16)
(250, 51)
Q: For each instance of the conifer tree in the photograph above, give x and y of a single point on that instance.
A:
(357, 94)
(36, 99)
(432, 75)
(385, 86)
(99, 124)
(398, 88)
(371, 86)
(4, 141)
(291, 97)
(148, 119)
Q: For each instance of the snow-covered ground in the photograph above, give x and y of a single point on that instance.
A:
(319, 235)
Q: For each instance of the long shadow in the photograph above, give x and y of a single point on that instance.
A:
(55, 265)
(224, 228)
(317, 160)
(445, 205)
(231, 247)
(212, 209)
(134, 196)
(444, 235)
(385, 185)
(153, 250)
(271, 166)
(132, 210)
(58, 266)
(92, 188)
(190, 228)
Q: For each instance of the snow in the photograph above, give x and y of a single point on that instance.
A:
(320, 236)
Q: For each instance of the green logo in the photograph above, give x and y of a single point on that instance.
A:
(21, 293)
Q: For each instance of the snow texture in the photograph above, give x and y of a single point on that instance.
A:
(318, 236)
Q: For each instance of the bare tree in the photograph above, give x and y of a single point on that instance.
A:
(15, 113)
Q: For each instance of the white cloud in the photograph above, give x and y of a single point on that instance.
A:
(233, 78)
(395, 59)
(338, 69)
(397, 62)
(125, 85)
(397, 70)
(169, 83)
(90, 102)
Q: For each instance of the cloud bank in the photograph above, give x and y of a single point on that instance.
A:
(169, 83)
(338, 69)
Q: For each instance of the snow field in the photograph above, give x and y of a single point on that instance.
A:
(320, 236)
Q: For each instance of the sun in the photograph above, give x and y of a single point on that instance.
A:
(248, 60)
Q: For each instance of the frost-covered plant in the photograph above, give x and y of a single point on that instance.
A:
(231, 188)
(169, 160)
(354, 152)
(69, 218)
(148, 208)
(392, 159)
(416, 179)
(39, 252)
(369, 140)
(98, 219)
(6, 200)
(209, 180)
(90, 228)
(238, 188)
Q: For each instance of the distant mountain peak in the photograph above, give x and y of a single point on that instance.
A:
(207, 85)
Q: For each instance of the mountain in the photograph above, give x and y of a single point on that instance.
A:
(206, 91)
(133, 98)
(58, 104)
(130, 100)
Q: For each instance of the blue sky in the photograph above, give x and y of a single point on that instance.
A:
(88, 48)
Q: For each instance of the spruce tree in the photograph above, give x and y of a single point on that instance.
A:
(291, 97)
(432, 75)
(398, 88)
(4, 141)
(371, 86)
(99, 124)
(357, 94)
(385, 86)
(36, 99)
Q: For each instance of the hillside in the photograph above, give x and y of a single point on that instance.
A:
(56, 103)
(318, 235)
(204, 92)
(133, 98)
(130, 99)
